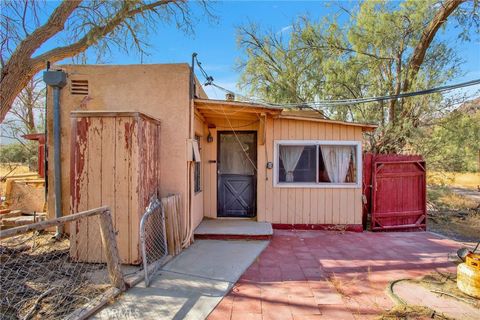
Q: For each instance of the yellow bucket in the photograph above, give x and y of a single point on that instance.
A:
(468, 275)
(473, 260)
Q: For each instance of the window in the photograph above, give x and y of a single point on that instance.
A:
(197, 186)
(312, 163)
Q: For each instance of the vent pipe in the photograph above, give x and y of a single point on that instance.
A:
(57, 80)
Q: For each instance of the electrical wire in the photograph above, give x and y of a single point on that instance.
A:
(315, 105)
(241, 144)
(238, 140)
(332, 103)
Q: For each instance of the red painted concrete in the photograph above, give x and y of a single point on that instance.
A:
(331, 275)
(329, 227)
(233, 237)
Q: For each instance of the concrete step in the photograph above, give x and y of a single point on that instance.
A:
(233, 229)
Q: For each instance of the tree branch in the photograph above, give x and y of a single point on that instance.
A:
(426, 39)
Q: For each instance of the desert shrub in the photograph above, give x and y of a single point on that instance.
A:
(18, 153)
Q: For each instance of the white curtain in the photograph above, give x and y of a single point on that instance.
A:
(290, 156)
(337, 161)
(233, 155)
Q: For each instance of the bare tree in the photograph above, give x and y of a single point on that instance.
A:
(80, 25)
(27, 112)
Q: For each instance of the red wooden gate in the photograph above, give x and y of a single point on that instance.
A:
(398, 192)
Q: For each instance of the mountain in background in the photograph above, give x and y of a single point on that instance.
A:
(470, 107)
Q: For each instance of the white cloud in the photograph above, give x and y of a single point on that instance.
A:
(285, 29)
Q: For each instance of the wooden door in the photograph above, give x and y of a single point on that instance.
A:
(236, 174)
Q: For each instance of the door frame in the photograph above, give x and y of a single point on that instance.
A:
(217, 178)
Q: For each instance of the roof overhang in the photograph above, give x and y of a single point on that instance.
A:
(214, 109)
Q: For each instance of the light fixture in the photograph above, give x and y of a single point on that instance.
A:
(209, 137)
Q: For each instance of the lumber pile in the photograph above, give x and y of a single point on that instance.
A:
(25, 192)
(14, 218)
(173, 224)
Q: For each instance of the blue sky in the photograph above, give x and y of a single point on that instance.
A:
(216, 45)
(215, 42)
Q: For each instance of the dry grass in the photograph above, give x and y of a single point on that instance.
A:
(442, 198)
(446, 283)
(451, 214)
(6, 168)
(9, 169)
(411, 312)
(468, 180)
(41, 281)
(437, 283)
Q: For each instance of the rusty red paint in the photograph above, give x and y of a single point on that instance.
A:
(40, 138)
(148, 137)
(395, 186)
(232, 237)
(129, 129)
(328, 227)
(139, 155)
(77, 160)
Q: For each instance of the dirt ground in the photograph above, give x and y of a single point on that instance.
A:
(455, 225)
(39, 280)
(453, 214)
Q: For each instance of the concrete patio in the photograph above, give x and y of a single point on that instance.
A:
(330, 275)
(190, 285)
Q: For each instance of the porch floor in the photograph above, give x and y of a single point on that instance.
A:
(342, 275)
(233, 229)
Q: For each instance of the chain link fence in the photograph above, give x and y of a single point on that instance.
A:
(153, 239)
(41, 276)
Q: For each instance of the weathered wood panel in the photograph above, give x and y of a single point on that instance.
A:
(286, 205)
(121, 208)
(94, 197)
(116, 163)
(312, 205)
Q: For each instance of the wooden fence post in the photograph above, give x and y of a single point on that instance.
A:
(111, 251)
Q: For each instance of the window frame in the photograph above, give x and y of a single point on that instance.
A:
(197, 166)
(317, 185)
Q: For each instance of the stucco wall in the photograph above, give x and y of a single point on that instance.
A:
(200, 129)
(161, 91)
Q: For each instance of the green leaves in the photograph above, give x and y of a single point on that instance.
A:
(368, 55)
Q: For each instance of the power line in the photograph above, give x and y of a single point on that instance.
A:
(340, 102)
(333, 103)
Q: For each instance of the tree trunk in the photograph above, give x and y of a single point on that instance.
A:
(428, 34)
(21, 67)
